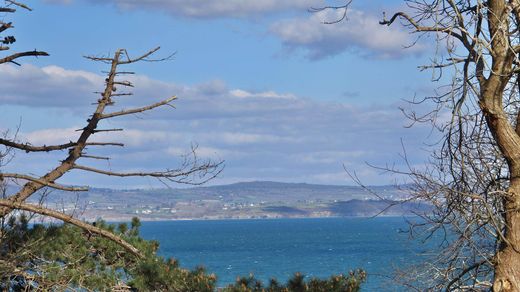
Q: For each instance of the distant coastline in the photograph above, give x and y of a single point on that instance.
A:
(145, 219)
(247, 200)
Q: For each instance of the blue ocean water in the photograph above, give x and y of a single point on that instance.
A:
(279, 247)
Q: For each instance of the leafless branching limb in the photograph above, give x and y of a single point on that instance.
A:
(19, 4)
(191, 171)
(138, 110)
(343, 8)
(43, 182)
(11, 58)
(473, 177)
(29, 148)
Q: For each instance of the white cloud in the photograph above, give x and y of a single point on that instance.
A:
(47, 86)
(360, 33)
(267, 94)
(329, 178)
(211, 9)
(328, 157)
(247, 138)
(51, 136)
(262, 135)
(202, 152)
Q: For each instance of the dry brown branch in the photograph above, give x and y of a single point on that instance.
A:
(11, 58)
(106, 130)
(138, 110)
(22, 5)
(104, 144)
(42, 182)
(343, 8)
(129, 60)
(27, 147)
(95, 157)
(6, 26)
(30, 148)
(182, 176)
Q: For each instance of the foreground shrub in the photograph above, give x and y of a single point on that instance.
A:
(337, 283)
(64, 258)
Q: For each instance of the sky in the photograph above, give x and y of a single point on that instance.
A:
(264, 85)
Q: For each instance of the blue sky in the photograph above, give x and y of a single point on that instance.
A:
(264, 85)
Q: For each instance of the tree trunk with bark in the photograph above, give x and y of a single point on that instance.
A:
(507, 264)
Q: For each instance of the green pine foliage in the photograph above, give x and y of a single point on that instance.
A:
(337, 283)
(59, 257)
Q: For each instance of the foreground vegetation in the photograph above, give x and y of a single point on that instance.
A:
(61, 257)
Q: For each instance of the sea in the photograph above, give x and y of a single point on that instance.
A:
(277, 248)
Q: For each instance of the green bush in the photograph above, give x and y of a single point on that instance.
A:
(64, 257)
(337, 283)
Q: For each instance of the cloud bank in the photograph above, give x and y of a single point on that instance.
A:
(213, 9)
(360, 33)
(261, 135)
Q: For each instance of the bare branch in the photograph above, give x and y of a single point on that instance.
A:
(43, 182)
(138, 110)
(176, 176)
(130, 60)
(124, 83)
(145, 56)
(8, 10)
(107, 130)
(95, 157)
(343, 8)
(29, 148)
(6, 26)
(19, 4)
(104, 144)
(419, 28)
(13, 57)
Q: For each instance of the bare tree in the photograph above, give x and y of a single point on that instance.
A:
(474, 178)
(191, 171)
